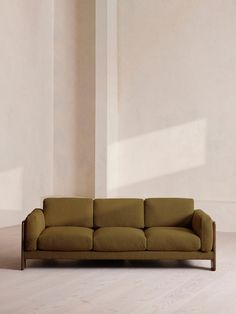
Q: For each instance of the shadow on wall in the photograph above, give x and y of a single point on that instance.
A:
(161, 153)
(74, 96)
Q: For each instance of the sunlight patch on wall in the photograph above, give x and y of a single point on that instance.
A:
(11, 186)
(159, 153)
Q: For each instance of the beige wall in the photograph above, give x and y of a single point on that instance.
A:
(74, 97)
(177, 82)
(175, 102)
(26, 108)
(47, 103)
(166, 85)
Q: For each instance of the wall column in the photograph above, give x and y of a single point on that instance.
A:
(106, 96)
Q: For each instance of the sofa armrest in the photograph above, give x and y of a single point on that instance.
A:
(34, 225)
(202, 225)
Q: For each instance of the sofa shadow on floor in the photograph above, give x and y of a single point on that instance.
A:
(13, 263)
(115, 264)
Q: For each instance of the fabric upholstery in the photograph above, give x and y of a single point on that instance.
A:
(119, 213)
(34, 225)
(173, 230)
(168, 212)
(119, 239)
(202, 224)
(68, 211)
(66, 239)
(172, 239)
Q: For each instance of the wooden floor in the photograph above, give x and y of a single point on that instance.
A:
(116, 287)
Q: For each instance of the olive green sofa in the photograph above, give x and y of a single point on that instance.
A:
(128, 228)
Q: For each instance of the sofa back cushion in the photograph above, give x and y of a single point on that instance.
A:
(68, 211)
(168, 212)
(122, 212)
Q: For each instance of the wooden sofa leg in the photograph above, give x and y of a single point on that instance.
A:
(23, 261)
(213, 264)
(213, 261)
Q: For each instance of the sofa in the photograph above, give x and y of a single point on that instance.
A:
(125, 228)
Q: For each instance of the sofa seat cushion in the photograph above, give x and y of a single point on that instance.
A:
(114, 239)
(172, 239)
(66, 239)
